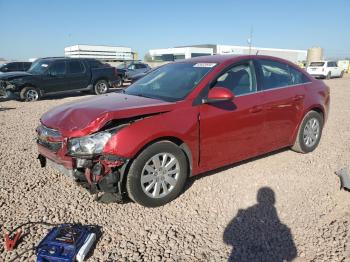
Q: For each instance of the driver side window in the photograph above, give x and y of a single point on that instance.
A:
(238, 79)
(58, 68)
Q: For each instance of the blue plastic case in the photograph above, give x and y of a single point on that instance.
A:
(63, 243)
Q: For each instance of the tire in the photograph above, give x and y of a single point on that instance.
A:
(101, 87)
(119, 82)
(342, 74)
(30, 94)
(329, 75)
(140, 179)
(300, 144)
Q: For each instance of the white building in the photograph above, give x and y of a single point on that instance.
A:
(209, 49)
(176, 53)
(100, 52)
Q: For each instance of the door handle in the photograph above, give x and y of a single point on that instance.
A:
(255, 109)
(298, 98)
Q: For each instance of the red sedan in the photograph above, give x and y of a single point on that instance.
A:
(183, 119)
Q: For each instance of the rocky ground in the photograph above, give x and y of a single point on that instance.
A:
(216, 218)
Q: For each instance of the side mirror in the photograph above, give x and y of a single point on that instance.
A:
(219, 94)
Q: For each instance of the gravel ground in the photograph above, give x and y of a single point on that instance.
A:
(301, 214)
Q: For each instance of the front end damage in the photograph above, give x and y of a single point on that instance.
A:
(95, 172)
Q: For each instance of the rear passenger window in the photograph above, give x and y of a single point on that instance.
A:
(297, 77)
(76, 67)
(275, 74)
(238, 79)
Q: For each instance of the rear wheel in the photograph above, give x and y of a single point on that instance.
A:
(101, 87)
(157, 175)
(119, 82)
(309, 133)
(30, 94)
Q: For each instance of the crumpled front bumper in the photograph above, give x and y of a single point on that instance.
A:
(102, 174)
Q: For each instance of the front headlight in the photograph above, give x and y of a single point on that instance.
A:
(88, 145)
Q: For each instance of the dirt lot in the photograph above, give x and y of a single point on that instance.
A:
(216, 218)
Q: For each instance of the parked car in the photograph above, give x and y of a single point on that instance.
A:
(136, 77)
(14, 66)
(59, 75)
(181, 120)
(325, 69)
(127, 71)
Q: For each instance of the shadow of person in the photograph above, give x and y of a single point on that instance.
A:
(257, 234)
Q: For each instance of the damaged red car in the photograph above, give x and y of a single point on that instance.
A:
(181, 120)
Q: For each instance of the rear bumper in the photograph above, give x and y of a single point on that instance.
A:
(317, 75)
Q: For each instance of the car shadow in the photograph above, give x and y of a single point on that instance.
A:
(193, 179)
(257, 234)
(6, 108)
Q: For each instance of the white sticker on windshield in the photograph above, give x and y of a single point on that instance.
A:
(205, 65)
(44, 65)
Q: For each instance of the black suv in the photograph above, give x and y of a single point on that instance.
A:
(58, 75)
(15, 66)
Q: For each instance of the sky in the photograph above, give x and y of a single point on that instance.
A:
(32, 29)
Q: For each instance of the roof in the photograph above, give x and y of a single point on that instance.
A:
(212, 58)
(219, 59)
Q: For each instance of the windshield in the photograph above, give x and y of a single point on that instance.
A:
(38, 67)
(317, 64)
(171, 82)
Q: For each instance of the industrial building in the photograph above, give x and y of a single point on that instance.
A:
(172, 54)
(100, 52)
(176, 53)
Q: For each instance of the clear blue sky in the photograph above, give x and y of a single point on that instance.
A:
(43, 28)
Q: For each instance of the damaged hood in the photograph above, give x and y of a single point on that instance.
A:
(13, 75)
(86, 116)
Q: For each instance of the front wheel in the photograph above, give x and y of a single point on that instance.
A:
(101, 87)
(341, 74)
(329, 75)
(30, 94)
(157, 175)
(309, 133)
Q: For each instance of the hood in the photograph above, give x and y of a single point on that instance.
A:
(13, 75)
(89, 115)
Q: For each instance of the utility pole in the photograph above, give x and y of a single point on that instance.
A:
(250, 40)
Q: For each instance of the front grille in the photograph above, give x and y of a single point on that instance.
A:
(49, 138)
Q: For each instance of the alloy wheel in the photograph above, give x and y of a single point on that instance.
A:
(32, 95)
(160, 175)
(102, 87)
(311, 132)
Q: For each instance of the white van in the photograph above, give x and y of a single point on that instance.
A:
(325, 69)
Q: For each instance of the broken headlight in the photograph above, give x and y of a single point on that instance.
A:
(88, 145)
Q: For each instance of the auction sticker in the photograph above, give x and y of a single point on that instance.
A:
(205, 65)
